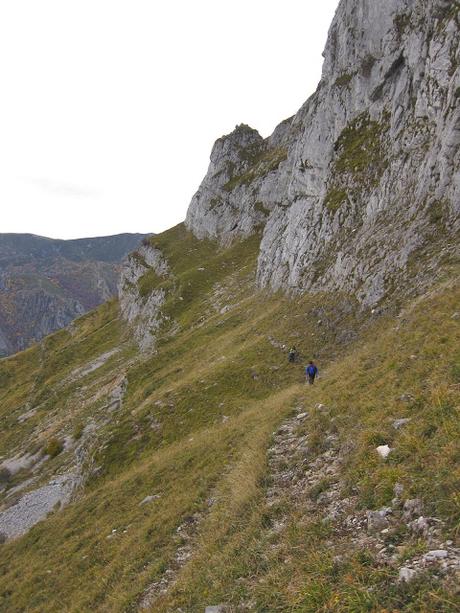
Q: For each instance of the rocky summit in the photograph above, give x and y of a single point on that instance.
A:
(161, 453)
(46, 283)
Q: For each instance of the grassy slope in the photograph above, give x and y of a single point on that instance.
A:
(171, 437)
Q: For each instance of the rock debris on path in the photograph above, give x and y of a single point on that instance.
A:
(296, 475)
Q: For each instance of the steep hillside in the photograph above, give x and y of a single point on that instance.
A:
(162, 454)
(166, 458)
(46, 283)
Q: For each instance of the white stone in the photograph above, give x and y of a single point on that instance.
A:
(383, 451)
(435, 554)
(399, 423)
(149, 499)
(406, 574)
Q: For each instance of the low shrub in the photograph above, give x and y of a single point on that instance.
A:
(53, 447)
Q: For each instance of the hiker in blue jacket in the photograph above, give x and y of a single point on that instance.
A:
(311, 371)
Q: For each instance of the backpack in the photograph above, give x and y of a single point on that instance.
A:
(311, 370)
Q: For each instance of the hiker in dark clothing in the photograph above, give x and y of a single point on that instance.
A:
(292, 354)
(311, 371)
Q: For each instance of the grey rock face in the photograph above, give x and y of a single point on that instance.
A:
(381, 140)
(142, 312)
(365, 194)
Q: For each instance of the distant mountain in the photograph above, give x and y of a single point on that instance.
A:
(46, 283)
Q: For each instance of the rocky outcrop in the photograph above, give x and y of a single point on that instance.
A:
(365, 194)
(243, 184)
(140, 301)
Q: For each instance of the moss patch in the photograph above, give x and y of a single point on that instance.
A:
(359, 146)
(359, 160)
(343, 80)
(149, 281)
(335, 198)
(262, 163)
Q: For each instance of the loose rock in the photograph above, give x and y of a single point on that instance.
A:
(383, 451)
(399, 423)
(435, 554)
(377, 520)
(406, 574)
(412, 508)
(149, 499)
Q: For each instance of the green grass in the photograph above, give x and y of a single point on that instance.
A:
(261, 164)
(53, 447)
(343, 80)
(195, 424)
(401, 22)
(148, 282)
(335, 198)
(359, 145)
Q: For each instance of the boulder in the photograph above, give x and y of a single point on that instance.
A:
(435, 555)
(420, 526)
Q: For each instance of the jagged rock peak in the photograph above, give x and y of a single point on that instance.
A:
(233, 144)
(239, 189)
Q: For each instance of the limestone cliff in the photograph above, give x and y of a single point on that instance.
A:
(360, 190)
(140, 304)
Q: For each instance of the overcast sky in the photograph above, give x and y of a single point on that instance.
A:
(109, 108)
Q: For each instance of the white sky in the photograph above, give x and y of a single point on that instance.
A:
(109, 108)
